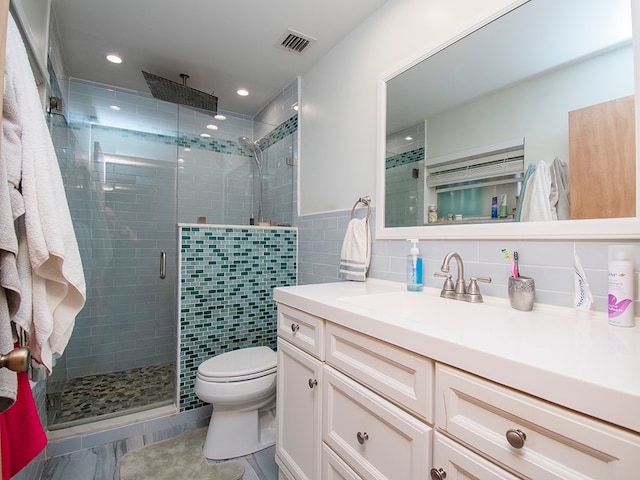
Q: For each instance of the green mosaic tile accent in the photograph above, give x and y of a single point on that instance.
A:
(405, 158)
(229, 147)
(227, 277)
(281, 131)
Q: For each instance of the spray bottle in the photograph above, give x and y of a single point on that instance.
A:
(414, 268)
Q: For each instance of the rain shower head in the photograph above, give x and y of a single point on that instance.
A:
(174, 92)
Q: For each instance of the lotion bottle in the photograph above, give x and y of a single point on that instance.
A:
(414, 268)
(621, 286)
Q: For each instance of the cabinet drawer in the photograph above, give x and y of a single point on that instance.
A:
(455, 462)
(401, 376)
(333, 468)
(301, 329)
(556, 443)
(374, 437)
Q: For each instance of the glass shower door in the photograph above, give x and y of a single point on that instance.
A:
(121, 358)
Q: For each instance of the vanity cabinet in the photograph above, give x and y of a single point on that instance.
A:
(528, 436)
(393, 402)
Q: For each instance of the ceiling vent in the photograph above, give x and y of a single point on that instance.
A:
(296, 42)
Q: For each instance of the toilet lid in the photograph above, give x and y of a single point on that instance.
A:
(244, 362)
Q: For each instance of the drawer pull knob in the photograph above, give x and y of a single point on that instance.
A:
(294, 327)
(516, 438)
(362, 437)
(312, 382)
(438, 474)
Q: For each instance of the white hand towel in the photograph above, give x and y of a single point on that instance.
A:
(356, 251)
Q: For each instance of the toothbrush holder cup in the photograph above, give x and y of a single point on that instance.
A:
(522, 292)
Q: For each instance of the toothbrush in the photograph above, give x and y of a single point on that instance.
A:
(507, 255)
(515, 259)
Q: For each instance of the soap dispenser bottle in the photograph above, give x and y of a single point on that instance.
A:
(414, 268)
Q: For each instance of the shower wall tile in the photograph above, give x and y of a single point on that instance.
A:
(227, 277)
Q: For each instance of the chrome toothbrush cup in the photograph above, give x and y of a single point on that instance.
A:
(522, 292)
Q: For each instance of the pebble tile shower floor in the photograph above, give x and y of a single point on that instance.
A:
(98, 397)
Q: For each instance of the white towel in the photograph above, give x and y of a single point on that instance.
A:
(536, 206)
(356, 251)
(58, 285)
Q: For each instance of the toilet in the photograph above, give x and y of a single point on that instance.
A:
(241, 386)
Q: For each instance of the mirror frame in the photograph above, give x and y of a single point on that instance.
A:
(595, 229)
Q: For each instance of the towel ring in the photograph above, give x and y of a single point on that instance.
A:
(366, 200)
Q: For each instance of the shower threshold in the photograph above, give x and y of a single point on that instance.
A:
(100, 397)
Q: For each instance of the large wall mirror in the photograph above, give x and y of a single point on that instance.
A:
(539, 99)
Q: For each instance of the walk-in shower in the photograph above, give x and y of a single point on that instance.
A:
(256, 151)
(129, 185)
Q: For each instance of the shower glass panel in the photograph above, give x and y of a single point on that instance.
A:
(120, 180)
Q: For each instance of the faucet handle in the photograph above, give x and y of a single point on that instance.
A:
(474, 289)
(473, 284)
(448, 283)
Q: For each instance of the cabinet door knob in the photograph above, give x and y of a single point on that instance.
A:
(516, 438)
(312, 382)
(362, 437)
(294, 327)
(438, 474)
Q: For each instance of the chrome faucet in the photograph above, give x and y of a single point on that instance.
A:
(460, 291)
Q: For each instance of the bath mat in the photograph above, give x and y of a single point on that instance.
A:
(178, 457)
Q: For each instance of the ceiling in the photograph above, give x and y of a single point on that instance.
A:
(222, 45)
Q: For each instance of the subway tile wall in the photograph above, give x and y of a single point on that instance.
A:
(227, 277)
(550, 263)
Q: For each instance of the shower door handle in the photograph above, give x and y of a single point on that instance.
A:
(163, 264)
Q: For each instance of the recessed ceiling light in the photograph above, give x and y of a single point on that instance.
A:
(114, 58)
(295, 106)
(211, 126)
(220, 117)
(181, 160)
(242, 92)
(187, 149)
(205, 135)
(408, 139)
(114, 107)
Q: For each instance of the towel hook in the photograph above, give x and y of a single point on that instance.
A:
(366, 200)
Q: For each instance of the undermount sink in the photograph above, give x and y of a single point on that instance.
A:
(412, 305)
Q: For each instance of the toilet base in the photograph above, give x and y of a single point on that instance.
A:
(234, 434)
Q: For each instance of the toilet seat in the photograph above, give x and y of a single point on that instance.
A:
(238, 365)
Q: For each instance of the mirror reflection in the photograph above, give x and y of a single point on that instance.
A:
(530, 118)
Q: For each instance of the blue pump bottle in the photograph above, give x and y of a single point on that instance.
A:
(414, 268)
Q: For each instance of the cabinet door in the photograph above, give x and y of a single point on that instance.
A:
(602, 152)
(374, 437)
(299, 409)
(455, 462)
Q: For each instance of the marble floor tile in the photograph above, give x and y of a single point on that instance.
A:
(103, 463)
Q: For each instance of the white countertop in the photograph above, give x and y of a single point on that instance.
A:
(583, 364)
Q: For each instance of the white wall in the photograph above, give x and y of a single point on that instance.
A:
(535, 109)
(339, 111)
